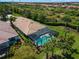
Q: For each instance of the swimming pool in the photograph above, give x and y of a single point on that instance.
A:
(43, 39)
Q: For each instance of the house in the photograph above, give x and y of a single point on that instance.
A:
(7, 37)
(37, 32)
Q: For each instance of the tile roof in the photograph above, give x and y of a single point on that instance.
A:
(27, 26)
(4, 26)
(6, 31)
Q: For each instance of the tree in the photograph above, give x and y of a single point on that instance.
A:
(28, 13)
(66, 47)
(66, 19)
(41, 17)
(24, 52)
(12, 18)
(35, 15)
(46, 50)
(77, 22)
(50, 47)
(51, 19)
(4, 16)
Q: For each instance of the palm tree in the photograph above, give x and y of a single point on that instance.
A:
(46, 50)
(12, 5)
(66, 46)
(53, 46)
(12, 19)
(77, 21)
(66, 19)
(49, 47)
(4, 16)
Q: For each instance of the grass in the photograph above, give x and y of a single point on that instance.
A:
(15, 14)
(61, 31)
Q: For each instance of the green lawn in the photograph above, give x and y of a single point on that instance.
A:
(15, 14)
(72, 32)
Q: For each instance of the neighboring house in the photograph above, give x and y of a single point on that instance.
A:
(38, 33)
(7, 37)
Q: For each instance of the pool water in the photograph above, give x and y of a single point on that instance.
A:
(43, 39)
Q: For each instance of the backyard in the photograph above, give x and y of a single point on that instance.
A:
(61, 31)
